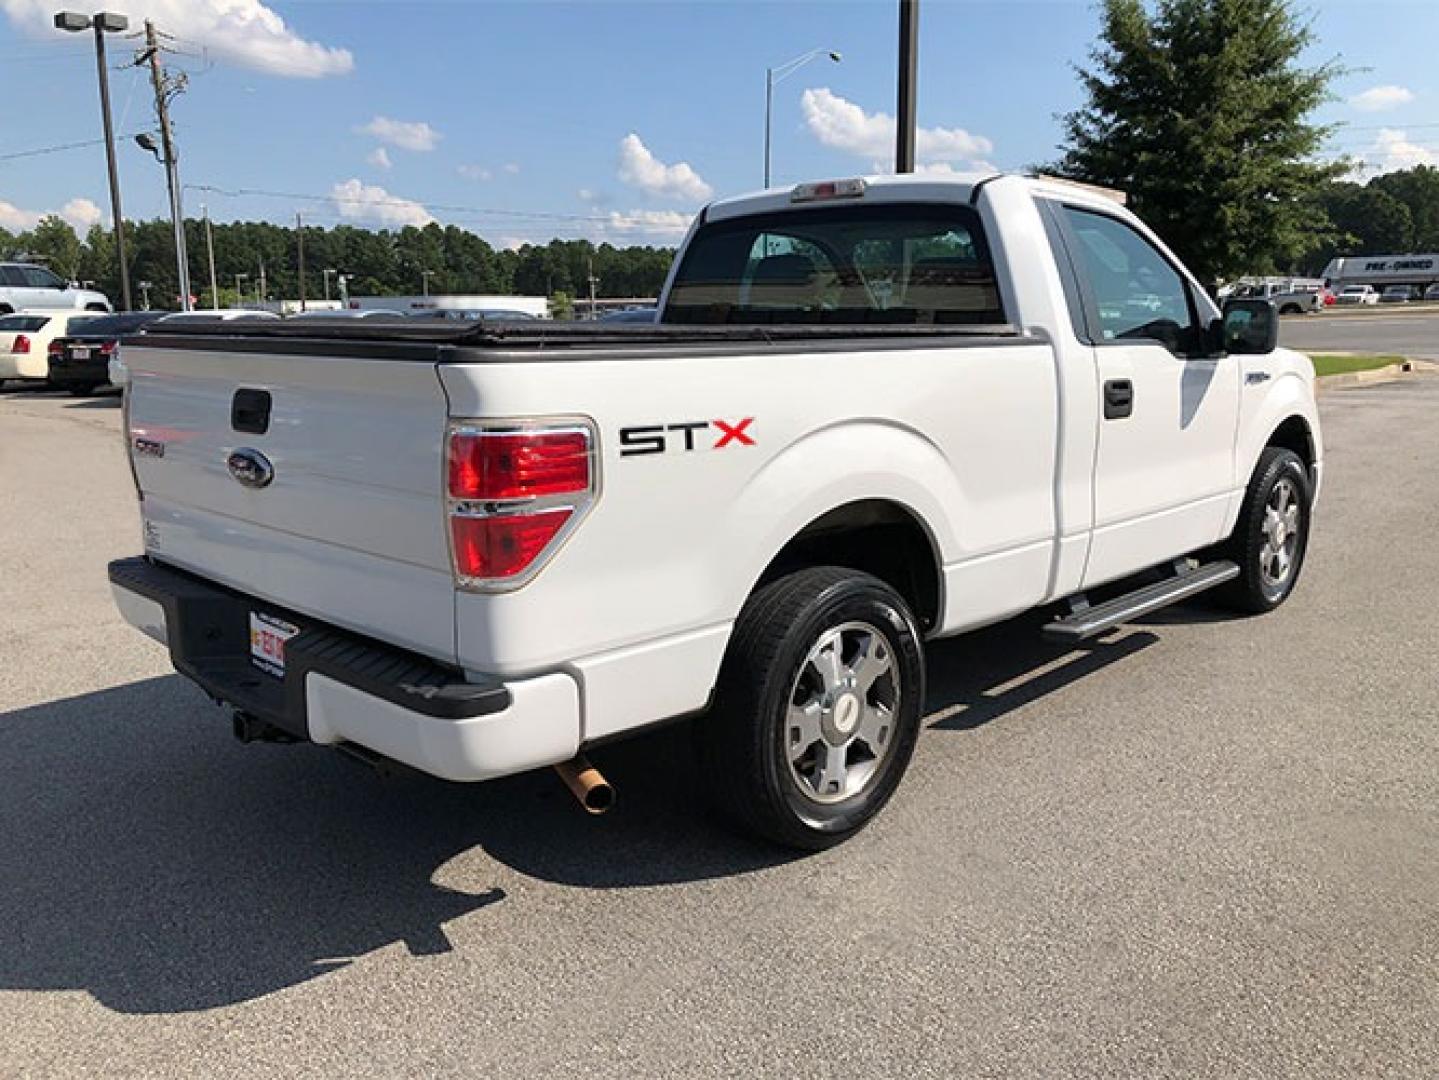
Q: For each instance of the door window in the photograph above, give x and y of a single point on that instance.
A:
(37, 277)
(1137, 291)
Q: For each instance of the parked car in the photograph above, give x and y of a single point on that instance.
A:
(1357, 294)
(80, 361)
(348, 313)
(1398, 294)
(1432, 293)
(26, 287)
(479, 553)
(631, 315)
(26, 337)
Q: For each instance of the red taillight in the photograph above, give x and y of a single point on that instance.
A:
(55, 348)
(21, 344)
(512, 492)
(108, 348)
(494, 466)
(506, 544)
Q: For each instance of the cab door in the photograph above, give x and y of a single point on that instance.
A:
(1169, 410)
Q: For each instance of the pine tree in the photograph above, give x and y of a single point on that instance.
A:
(1198, 110)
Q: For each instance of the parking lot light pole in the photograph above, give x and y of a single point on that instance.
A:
(239, 296)
(775, 75)
(103, 23)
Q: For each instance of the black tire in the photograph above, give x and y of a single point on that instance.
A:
(744, 741)
(1255, 591)
(82, 389)
(1291, 309)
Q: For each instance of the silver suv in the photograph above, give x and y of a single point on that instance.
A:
(24, 286)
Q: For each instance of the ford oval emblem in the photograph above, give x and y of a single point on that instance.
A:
(250, 467)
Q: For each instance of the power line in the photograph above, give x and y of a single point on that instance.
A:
(360, 200)
(38, 151)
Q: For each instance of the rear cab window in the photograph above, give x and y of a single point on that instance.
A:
(22, 324)
(902, 263)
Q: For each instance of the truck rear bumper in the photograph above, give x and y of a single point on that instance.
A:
(338, 687)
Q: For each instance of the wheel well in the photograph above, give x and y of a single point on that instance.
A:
(6, 309)
(1294, 434)
(878, 537)
(96, 307)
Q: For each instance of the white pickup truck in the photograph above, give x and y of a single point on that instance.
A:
(874, 412)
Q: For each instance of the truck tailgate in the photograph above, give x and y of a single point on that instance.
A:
(350, 529)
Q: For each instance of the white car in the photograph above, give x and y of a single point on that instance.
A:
(1357, 294)
(480, 549)
(26, 337)
(24, 286)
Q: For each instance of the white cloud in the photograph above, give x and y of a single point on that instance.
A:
(405, 134)
(1380, 98)
(474, 172)
(645, 171)
(371, 204)
(670, 224)
(843, 125)
(243, 32)
(512, 167)
(1392, 150)
(379, 157)
(79, 212)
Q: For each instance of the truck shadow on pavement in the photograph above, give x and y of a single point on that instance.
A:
(160, 866)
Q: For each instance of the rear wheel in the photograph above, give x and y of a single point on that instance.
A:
(1272, 535)
(817, 709)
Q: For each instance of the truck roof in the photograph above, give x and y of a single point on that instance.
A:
(909, 187)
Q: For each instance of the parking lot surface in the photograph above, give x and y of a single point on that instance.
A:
(1378, 329)
(1203, 847)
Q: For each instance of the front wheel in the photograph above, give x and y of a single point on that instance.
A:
(1272, 534)
(817, 709)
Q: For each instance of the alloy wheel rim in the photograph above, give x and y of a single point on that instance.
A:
(1280, 530)
(840, 717)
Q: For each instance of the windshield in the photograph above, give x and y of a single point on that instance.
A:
(896, 263)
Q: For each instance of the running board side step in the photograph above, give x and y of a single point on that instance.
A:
(1085, 621)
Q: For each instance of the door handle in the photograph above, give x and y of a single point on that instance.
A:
(1118, 399)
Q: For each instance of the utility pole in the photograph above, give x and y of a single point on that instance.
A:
(300, 231)
(166, 88)
(908, 85)
(210, 247)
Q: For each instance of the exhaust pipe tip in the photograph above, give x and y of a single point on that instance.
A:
(587, 784)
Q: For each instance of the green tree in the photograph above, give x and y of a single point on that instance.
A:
(1417, 189)
(55, 242)
(1198, 110)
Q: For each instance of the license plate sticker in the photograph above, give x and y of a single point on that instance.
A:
(80, 352)
(267, 642)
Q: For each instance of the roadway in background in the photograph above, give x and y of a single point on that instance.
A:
(1405, 333)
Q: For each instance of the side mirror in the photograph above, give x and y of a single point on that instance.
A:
(1250, 326)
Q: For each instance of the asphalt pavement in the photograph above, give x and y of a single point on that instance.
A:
(1375, 330)
(1203, 847)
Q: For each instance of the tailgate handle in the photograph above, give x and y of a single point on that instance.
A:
(250, 411)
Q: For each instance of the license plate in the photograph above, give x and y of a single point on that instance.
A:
(267, 642)
(79, 353)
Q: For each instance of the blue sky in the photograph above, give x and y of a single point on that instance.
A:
(526, 120)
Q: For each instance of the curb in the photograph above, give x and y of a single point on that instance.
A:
(1374, 375)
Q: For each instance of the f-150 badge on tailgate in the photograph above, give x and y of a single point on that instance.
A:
(250, 467)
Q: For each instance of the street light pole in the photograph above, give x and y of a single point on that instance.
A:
(210, 248)
(239, 295)
(777, 74)
(425, 276)
(103, 23)
(329, 272)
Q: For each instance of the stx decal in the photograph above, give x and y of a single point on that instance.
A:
(658, 438)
